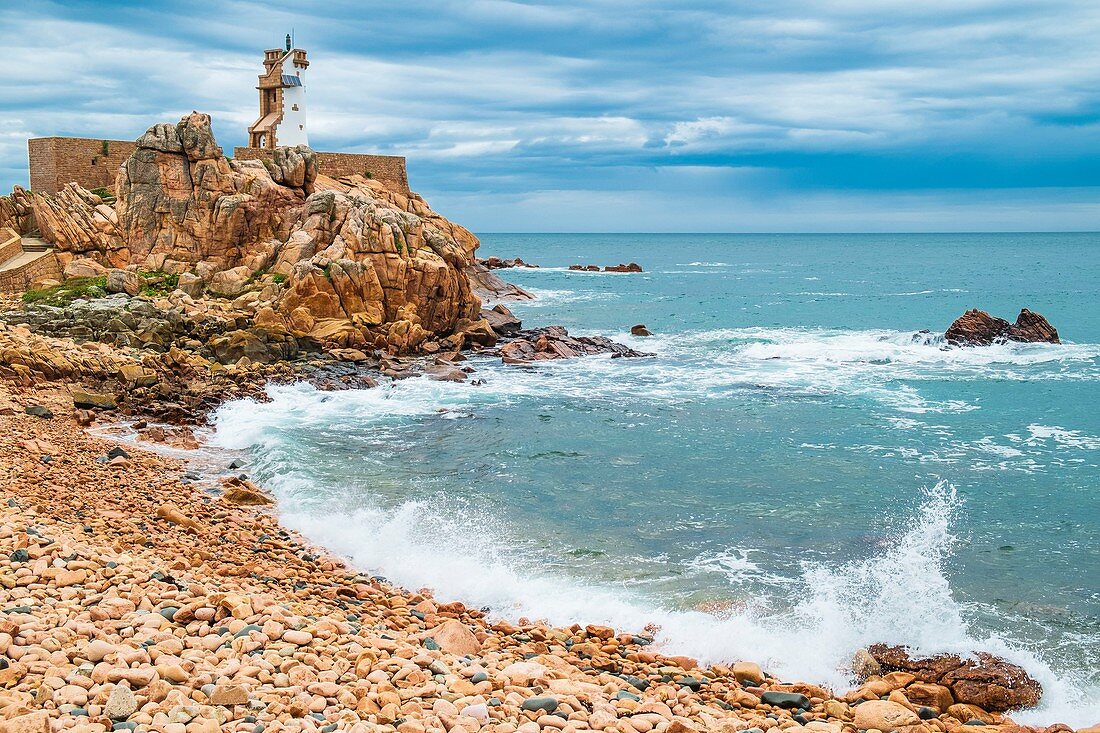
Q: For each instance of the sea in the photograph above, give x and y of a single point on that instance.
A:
(802, 467)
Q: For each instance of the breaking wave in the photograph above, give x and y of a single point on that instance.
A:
(807, 629)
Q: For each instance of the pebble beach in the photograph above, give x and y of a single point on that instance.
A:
(134, 599)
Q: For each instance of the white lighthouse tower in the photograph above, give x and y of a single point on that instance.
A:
(282, 118)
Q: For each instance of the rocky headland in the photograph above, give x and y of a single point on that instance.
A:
(137, 594)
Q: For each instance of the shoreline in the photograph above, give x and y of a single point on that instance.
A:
(273, 629)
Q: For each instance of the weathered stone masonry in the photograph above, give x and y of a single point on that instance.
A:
(55, 161)
(388, 169)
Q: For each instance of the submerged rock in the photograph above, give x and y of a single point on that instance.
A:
(978, 328)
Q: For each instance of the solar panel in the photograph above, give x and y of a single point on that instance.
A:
(291, 81)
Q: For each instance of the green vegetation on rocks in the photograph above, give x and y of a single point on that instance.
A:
(68, 291)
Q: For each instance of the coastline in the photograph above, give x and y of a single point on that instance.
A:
(269, 629)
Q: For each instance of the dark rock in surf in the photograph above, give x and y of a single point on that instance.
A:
(1033, 328)
(992, 683)
(978, 328)
(554, 342)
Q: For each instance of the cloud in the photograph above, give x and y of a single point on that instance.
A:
(850, 102)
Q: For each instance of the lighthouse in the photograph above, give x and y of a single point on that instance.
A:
(282, 119)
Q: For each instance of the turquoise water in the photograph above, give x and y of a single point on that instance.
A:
(797, 459)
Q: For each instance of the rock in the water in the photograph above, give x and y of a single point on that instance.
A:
(554, 342)
(1032, 328)
(978, 328)
(990, 682)
(632, 267)
(640, 330)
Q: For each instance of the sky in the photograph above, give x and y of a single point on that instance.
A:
(608, 115)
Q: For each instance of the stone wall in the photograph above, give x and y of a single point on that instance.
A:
(11, 244)
(20, 279)
(389, 169)
(55, 161)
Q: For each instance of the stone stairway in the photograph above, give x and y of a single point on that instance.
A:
(34, 244)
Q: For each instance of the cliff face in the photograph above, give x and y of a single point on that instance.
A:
(347, 261)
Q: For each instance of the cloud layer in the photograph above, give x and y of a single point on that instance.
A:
(613, 115)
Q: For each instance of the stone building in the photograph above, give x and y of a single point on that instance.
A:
(282, 119)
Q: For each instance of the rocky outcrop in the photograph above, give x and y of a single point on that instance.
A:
(501, 320)
(554, 342)
(992, 683)
(978, 328)
(181, 202)
(490, 288)
(79, 222)
(381, 263)
(17, 211)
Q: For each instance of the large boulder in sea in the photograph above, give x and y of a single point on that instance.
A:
(978, 328)
(992, 683)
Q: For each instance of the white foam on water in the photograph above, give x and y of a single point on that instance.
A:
(549, 296)
(703, 264)
(1041, 434)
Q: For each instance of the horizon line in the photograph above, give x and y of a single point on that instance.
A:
(816, 233)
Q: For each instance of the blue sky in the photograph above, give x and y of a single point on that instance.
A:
(607, 115)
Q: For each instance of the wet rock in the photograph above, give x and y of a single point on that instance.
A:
(243, 493)
(640, 330)
(1032, 328)
(554, 342)
(987, 681)
(496, 263)
(978, 328)
(632, 267)
(864, 665)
